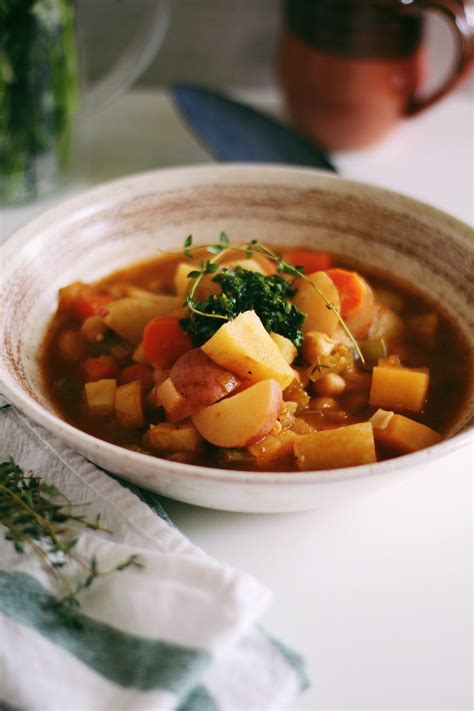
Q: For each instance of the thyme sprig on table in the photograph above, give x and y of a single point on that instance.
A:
(37, 516)
(224, 308)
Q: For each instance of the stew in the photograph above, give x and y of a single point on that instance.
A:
(238, 356)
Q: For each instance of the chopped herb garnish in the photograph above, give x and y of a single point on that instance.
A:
(243, 290)
(241, 293)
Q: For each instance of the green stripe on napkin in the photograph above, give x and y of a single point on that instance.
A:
(156, 664)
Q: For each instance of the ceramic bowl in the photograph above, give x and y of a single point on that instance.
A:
(124, 221)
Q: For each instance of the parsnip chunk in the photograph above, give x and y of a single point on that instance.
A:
(398, 388)
(182, 437)
(311, 303)
(342, 447)
(403, 435)
(273, 450)
(100, 397)
(129, 405)
(244, 347)
(286, 347)
(129, 316)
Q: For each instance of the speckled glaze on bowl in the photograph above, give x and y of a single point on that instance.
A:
(124, 221)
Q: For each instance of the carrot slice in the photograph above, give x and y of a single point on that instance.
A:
(91, 305)
(356, 300)
(309, 259)
(351, 290)
(164, 341)
(138, 371)
(100, 368)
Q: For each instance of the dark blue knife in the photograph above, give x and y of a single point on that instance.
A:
(237, 132)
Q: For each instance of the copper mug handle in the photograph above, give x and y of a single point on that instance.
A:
(456, 13)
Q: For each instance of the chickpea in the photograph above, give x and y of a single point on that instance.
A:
(324, 403)
(94, 329)
(331, 385)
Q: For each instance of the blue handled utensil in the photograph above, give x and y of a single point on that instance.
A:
(234, 131)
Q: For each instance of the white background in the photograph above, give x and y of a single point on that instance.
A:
(376, 594)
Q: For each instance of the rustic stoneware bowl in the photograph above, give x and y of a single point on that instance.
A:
(127, 220)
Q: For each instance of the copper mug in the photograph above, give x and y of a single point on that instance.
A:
(352, 69)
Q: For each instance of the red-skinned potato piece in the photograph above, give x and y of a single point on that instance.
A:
(241, 420)
(201, 381)
(356, 298)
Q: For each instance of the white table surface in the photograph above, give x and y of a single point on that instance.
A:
(376, 594)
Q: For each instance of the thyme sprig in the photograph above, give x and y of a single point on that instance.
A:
(223, 247)
(38, 516)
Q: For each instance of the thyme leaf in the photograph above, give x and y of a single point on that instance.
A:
(37, 516)
(227, 305)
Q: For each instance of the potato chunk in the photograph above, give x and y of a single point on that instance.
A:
(129, 316)
(182, 437)
(309, 302)
(342, 447)
(129, 405)
(286, 347)
(273, 450)
(100, 397)
(398, 388)
(244, 347)
(242, 419)
(403, 435)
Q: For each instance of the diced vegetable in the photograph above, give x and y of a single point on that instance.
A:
(71, 346)
(316, 345)
(387, 325)
(100, 397)
(286, 347)
(274, 450)
(128, 317)
(90, 305)
(139, 355)
(373, 349)
(244, 347)
(309, 302)
(140, 372)
(171, 400)
(241, 420)
(182, 437)
(356, 300)
(347, 446)
(381, 418)
(101, 367)
(311, 260)
(403, 435)
(200, 380)
(129, 405)
(398, 388)
(164, 341)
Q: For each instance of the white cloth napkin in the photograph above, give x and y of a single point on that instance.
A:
(178, 633)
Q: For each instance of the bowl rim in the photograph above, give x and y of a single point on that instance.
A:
(89, 201)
